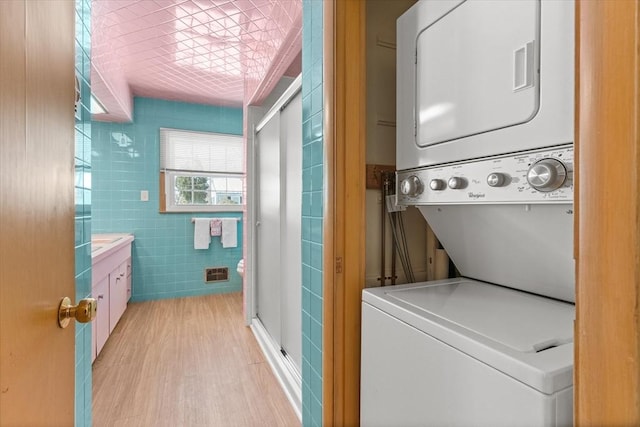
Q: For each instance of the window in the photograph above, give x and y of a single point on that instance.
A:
(201, 171)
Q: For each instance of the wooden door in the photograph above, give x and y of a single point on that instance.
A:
(36, 211)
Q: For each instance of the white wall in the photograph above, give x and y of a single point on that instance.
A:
(381, 140)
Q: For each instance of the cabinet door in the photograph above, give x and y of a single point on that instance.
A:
(128, 279)
(117, 294)
(101, 294)
(94, 335)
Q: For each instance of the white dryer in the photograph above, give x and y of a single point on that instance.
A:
(483, 77)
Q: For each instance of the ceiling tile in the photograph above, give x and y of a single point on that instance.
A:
(188, 50)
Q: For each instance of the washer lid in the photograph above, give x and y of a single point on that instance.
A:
(526, 336)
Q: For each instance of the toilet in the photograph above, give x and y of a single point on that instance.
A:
(240, 268)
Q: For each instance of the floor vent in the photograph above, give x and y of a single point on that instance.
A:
(216, 274)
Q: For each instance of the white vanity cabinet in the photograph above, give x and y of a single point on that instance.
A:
(111, 284)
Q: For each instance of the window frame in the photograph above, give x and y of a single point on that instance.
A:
(171, 206)
(167, 188)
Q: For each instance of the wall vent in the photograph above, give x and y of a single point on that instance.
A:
(216, 274)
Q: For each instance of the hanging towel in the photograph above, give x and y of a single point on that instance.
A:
(229, 236)
(216, 227)
(201, 233)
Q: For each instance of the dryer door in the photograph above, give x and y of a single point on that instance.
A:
(477, 70)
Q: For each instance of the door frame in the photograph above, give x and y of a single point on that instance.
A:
(344, 77)
(607, 241)
(607, 105)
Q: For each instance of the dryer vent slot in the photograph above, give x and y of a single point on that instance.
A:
(216, 274)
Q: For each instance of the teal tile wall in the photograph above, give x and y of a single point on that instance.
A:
(312, 212)
(126, 160)
(83, 211)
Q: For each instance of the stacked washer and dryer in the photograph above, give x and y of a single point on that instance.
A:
(485, 100)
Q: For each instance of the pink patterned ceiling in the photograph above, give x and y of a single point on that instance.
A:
(220, 52)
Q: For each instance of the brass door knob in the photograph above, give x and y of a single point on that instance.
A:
(84, 312)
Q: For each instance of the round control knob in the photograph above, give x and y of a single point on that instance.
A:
(547, 175)
(455, 182)
(411, 186)
(437, 184)
(496, 179)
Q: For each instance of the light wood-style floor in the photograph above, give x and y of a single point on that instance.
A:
(186, 362)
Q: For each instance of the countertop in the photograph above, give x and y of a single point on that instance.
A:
(103, 244)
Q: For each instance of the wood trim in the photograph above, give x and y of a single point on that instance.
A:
(607, 237)
(162, 196)
(345, 142)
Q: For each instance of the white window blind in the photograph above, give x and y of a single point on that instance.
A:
(182, 150)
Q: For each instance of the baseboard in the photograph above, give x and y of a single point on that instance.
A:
(289, 380)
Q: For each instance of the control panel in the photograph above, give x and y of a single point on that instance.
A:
(537, 176)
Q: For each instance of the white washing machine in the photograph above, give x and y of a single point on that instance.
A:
(464, 353)
(485, 151)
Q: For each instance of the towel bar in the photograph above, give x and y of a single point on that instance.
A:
(194, 219)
